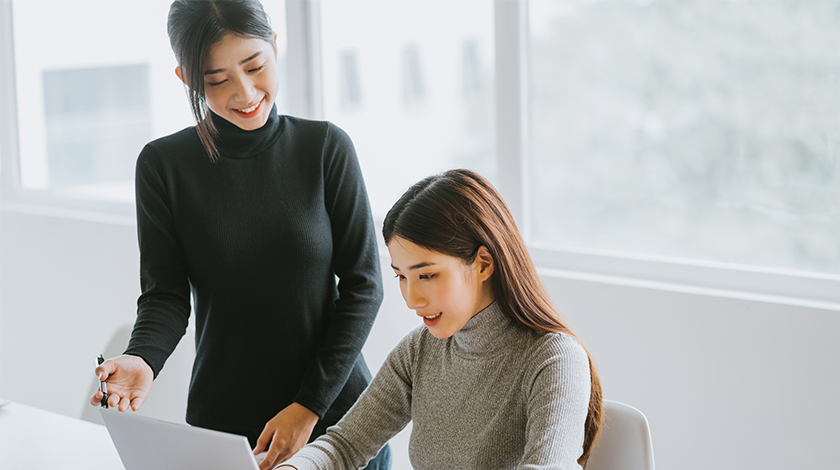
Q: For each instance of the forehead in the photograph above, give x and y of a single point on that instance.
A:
(405, 254)
(233, 48)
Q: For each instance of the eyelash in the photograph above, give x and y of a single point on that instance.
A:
(423, 277)
(249, 71)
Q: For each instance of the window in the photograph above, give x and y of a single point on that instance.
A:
(92, 88)
(692, 143)
(351, 93)
(414, 90)
(93, 128)
(413, 119)
(691, 129)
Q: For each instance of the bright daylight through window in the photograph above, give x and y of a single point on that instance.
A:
(412, 84)
(86, 106)
(679, 130)
(689, 129)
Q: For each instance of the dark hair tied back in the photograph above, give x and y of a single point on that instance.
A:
(457, 212)
(193, 27)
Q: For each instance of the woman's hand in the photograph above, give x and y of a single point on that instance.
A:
(129, 381)
(288, 432)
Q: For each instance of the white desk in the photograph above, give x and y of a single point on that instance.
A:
(38, 439)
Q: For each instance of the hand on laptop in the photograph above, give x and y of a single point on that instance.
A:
(129, 381)
(288, 432)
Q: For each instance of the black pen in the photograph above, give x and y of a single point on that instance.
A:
(103, 387)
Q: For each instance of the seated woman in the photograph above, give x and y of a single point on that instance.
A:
(495, 379)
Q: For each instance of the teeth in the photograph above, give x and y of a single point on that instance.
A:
(432, 317)
(248, 110)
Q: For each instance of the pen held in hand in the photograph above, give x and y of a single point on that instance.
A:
(103, 387)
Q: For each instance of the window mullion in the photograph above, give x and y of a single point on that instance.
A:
(9, 155)
(511, 32)
(303, 32)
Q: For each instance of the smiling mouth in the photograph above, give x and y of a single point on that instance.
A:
(251, 109)
(432, 317)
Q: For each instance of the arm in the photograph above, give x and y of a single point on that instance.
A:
(163, 308)
(356, 263)
(558, 401)
(382, 411)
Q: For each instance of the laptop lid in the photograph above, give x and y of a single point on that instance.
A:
(146, 443)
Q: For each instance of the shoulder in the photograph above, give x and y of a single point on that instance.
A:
(323, 137)
(179, 141)
(164, 149)
(297, 127)
(556, 350)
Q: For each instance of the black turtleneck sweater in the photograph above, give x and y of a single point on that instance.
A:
(258, 238)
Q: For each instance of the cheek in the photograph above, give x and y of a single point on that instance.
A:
(402, 291)
(214, 99)
(270, 81)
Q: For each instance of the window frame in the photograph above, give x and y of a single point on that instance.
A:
(305, 80)
(699, 277)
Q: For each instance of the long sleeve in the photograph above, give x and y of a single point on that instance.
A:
(356, 263)
(382, 411)
(557, 394)
(163, 308)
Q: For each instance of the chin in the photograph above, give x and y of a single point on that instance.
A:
(440, 334)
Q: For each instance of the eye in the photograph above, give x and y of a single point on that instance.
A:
(400, 277)
(216, 83)
(257, 69)
(426, 277)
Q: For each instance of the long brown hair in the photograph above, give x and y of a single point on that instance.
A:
(195, 25)
(457, 212)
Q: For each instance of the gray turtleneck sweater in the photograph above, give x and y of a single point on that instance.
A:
(495, 395)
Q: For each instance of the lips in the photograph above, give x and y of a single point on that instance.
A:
(250, 111)
(432, 320)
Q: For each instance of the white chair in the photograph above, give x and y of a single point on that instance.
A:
(625, 442)
(168, 400)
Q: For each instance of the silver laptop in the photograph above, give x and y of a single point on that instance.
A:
(150, 444)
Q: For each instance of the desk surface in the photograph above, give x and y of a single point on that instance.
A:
(34, 438)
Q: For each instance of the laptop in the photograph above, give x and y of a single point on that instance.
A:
(146, 443)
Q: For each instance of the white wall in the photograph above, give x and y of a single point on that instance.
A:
(726, 384)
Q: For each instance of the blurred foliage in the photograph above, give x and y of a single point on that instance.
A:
(697, 129)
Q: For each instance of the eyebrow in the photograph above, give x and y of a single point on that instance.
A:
(214, 71)
(416, 266)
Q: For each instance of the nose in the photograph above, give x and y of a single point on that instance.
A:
(246, 91)
(413, 296)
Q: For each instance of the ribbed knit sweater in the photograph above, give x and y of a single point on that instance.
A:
(258, 238)
(493, 396)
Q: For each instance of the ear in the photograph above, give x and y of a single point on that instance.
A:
(181, 75)
(484, 263)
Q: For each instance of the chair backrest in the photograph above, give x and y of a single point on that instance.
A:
(168, 400)
(625, 442)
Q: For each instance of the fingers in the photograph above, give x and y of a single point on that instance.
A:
(271, 459)
(125, 403)
(96, 398)
(262, 441)
(135, 403)
(105, 369)
(278, 452)
(113, 400)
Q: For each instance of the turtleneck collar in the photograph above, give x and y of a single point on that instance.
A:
(234, 142)
(485, 332)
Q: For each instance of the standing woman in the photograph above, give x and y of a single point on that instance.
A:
(495, 379)
(253, 215)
